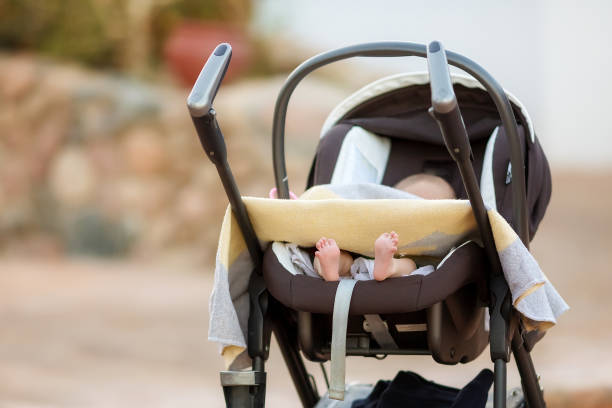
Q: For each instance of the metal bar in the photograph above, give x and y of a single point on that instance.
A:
(499, 384)
(238, 378)
(242, 216)
(529, 379)
(244, 389)
(445, 111)
(324, 371)
(213, 143)
(287, 341)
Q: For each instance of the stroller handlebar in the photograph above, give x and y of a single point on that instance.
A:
(442, 95)
(445, 111)
(206, 86)
(444, 104)
(204, 119)
(405, 49)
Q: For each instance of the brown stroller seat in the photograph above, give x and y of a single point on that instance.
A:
(441, 313)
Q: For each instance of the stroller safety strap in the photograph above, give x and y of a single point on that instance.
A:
(342, 304)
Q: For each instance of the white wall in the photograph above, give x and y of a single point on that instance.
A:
(555, 56)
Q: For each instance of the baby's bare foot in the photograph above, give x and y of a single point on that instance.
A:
(328, 255)
(384, 248)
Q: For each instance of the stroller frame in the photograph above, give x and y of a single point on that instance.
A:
(247, 388)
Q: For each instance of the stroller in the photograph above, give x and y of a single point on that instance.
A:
(487, 152)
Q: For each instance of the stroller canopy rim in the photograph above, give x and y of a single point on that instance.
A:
(405, 80)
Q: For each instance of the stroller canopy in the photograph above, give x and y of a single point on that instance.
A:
(396, 108)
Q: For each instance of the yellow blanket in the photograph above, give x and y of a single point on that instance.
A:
(355, 216)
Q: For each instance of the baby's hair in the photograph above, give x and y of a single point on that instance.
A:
(427, 186)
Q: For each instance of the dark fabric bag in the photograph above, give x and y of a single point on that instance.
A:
(409, 390)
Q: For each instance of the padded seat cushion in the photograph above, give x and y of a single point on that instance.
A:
(467, 264)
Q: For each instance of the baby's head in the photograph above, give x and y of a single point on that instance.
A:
(427, 186)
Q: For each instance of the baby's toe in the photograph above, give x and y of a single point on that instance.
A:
(320, 243)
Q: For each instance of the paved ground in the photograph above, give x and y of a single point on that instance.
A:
(79, 333)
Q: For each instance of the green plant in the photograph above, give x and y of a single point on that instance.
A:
(122, 34)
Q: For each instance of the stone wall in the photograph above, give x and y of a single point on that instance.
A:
(94, 163)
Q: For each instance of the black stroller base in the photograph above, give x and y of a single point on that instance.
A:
(247, 389)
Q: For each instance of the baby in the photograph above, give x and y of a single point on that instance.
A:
(331, 263)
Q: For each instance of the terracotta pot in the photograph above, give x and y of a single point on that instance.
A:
(190, 44)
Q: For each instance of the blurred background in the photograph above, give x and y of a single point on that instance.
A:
(109, 211)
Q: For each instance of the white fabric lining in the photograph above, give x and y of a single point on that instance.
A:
(297, 261)
(284, 257)
(452, 251)
(362, 158)
(487, 185)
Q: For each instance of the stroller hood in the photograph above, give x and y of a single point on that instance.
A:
(396, 107)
